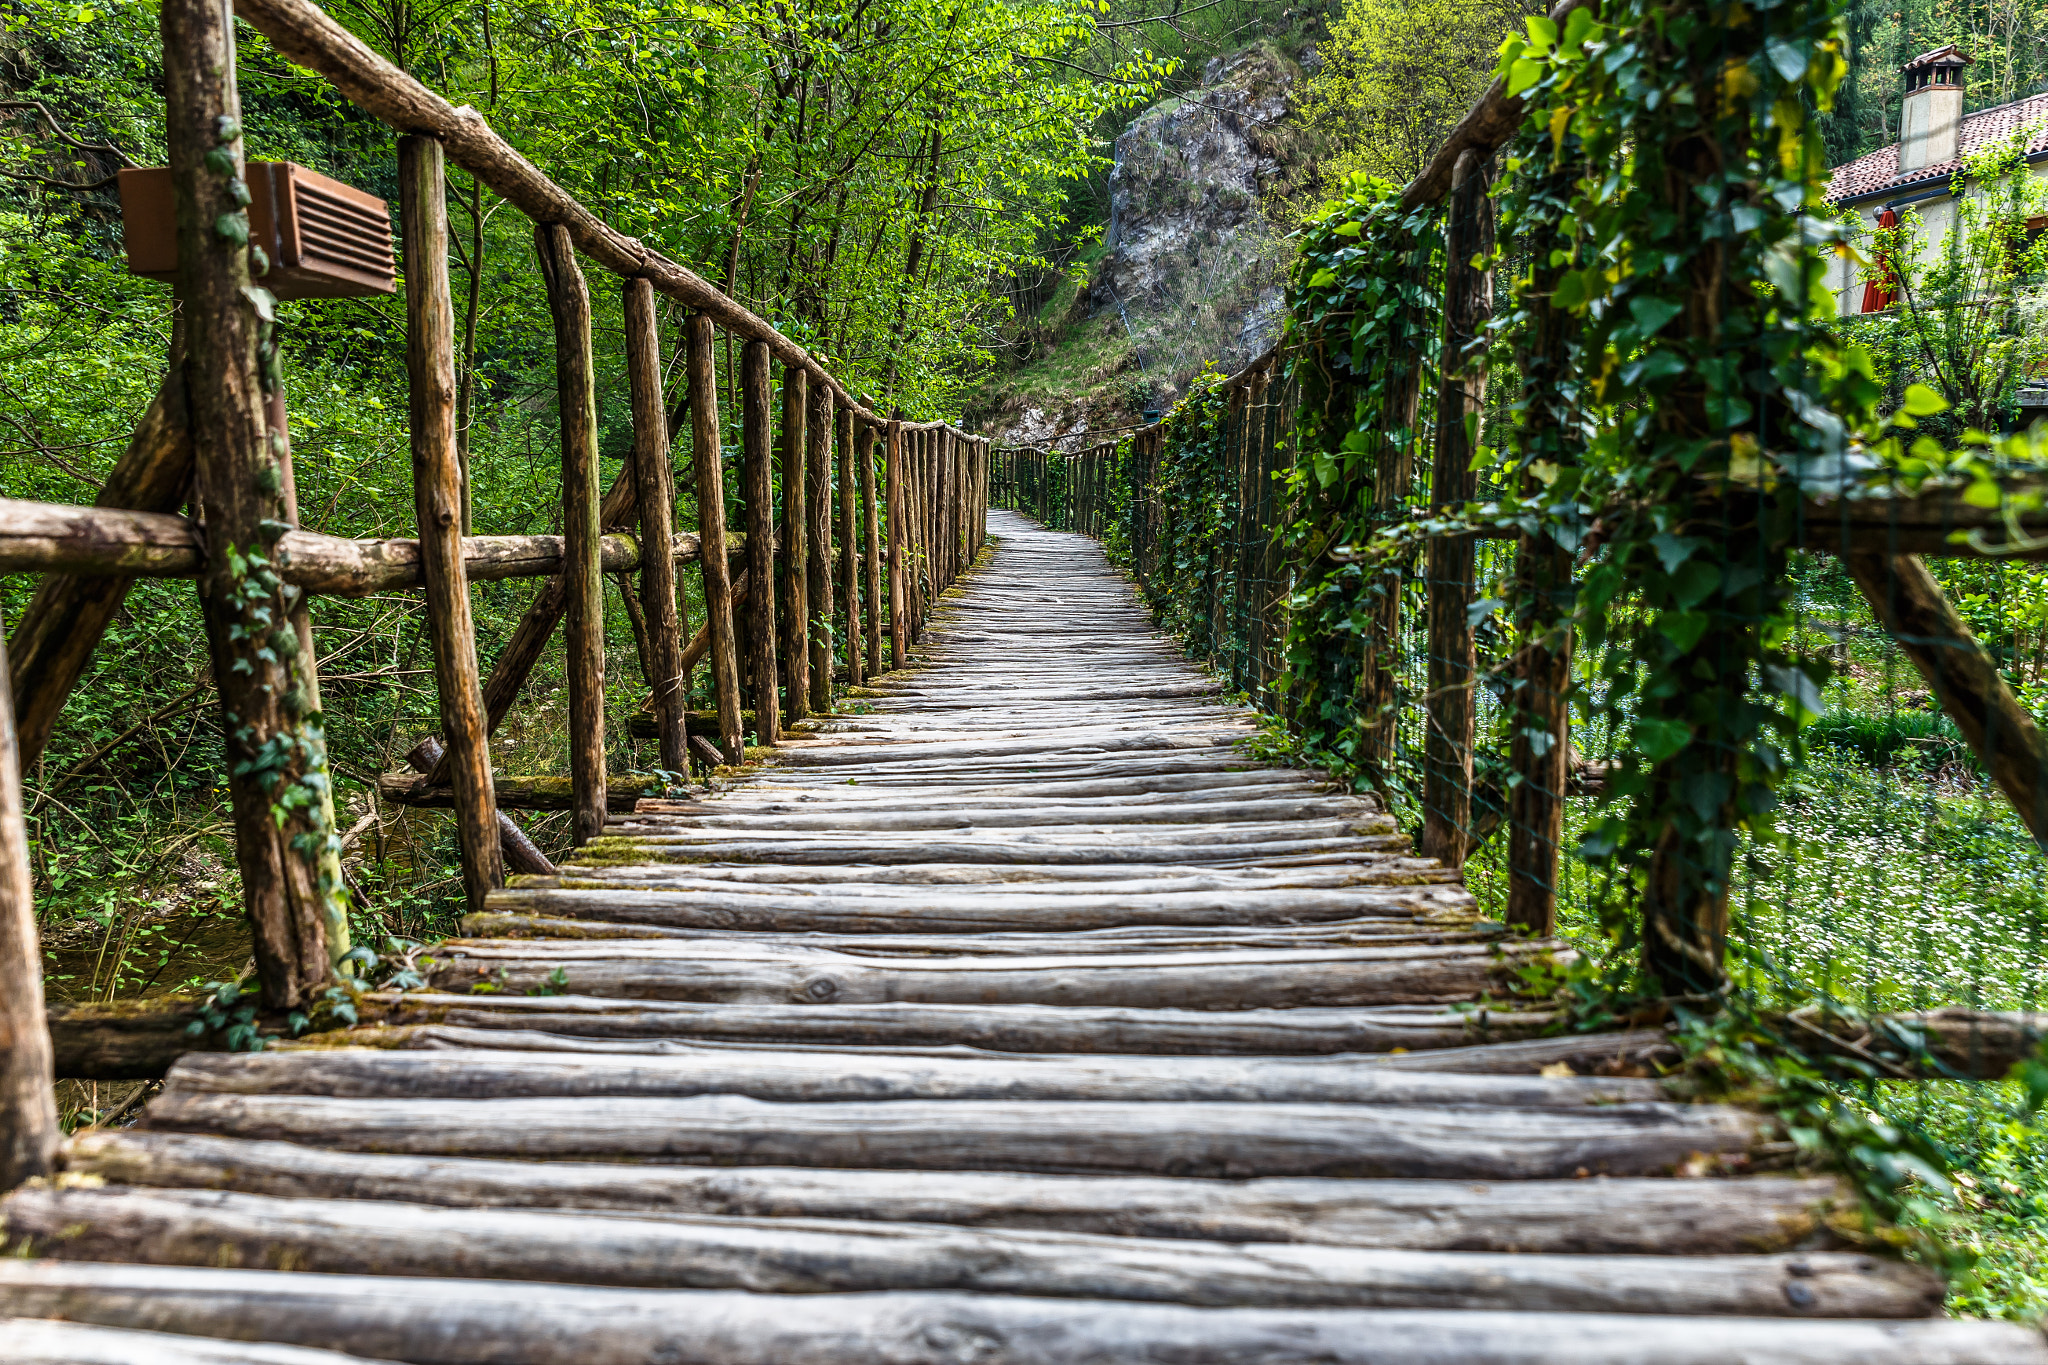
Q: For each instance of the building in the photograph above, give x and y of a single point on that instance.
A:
(1917, 170)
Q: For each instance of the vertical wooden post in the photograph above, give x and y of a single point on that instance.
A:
(849, 553)
(275, 748)
(872, 536)
(796, 610)
(818, 562)
(1542, 602)
(757, 435)
(1461, 398)
(582, 573)
(654, 486)
(899, 609)
(710, 470)
(437, 503)
(28, 1110)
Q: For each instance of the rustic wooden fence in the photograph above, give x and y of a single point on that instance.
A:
(841, 587)
(1461, 667)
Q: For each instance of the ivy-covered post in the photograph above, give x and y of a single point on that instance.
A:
(1393, 476)
(276, 751)
(1461, 398)
(1702, 364)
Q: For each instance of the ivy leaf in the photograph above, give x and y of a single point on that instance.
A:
(1658, 364)
(1683, 628)
(1673, 551)
(1522, 75)
(1922, 401)
(1693, 582)
(1804, 692)
(1789, 58)
(1983, 493)
(1652, 313)
(1658, 740)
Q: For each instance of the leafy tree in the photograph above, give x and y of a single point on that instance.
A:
(1396, 77)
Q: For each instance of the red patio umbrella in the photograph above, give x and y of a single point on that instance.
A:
(1882, 291)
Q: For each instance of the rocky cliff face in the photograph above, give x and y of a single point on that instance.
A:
(1191, 272)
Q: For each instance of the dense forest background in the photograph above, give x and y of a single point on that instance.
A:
(918, 191)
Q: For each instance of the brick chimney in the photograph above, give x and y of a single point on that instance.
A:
(1930, 124)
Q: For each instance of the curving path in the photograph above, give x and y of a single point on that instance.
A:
(1015, 1016)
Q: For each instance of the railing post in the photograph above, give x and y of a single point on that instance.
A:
(437, 502)
(899, 608)
(757, 486)
(1538, 734)
(28, 1110)
(818, 562)
(849, 553)
(710, 470)
(654, 486)
(871, 529)
(796, 536)
(582, 573)
(265, 676)
(1461, 399)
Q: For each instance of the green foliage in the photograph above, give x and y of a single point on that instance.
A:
(1362, 308)
(1396, 77)
(227, 1013)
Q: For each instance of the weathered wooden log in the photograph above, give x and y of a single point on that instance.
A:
(1228, 1141)
(897, 499)
(438, 503)
(1136, 939)
(582, 523)
(517, 851)
(32, 1341)
(757, 439)
(512, 793)
(458, 1322)
(1613, 1216)
(849, 554)
(996, 1028)
(470, 1322)
(182, 1227)
(817, 564)
(720, 632)
(1239, 980)
(795, 545)
(28, 1115)
(1965, 678)
(867, 439)
(947, 911)
(1361, 815)
(813, 1077)
(654, 484)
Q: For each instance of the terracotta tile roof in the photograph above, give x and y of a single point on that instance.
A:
(1879, 171)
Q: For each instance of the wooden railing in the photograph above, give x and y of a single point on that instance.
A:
(776, 597)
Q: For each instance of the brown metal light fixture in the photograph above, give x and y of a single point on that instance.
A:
(324, 239)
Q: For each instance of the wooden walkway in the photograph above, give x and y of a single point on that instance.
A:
(1021, 1017)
